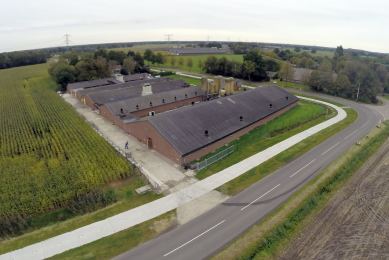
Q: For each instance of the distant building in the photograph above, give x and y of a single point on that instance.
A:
(117, 69)
(196, 51)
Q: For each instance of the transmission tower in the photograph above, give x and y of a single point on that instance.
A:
(168, 37)
(207, 37)
(67, 41)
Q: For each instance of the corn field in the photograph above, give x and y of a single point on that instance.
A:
(49, 155)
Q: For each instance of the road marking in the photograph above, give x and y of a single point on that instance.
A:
(350, 134)
(302, 168)
(260, 197)
(331, 148)
(365, 123)
(194, 238)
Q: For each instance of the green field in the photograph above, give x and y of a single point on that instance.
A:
(50, 157)
(329, 54)
(196, 58)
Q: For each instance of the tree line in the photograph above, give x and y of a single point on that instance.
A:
(22, 58)
(72, 67)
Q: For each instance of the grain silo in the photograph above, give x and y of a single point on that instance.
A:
(216, 80)
(204, 84)
(232, 83)
(222, 82)
(227, 86)
(222, 92)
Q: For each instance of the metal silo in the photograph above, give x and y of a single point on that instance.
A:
(232, 81)
(227, 86)
(204, 84)
(217, 83)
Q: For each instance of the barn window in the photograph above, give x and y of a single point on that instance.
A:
(271, 106)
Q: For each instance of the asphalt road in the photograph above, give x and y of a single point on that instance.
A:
(209, 233)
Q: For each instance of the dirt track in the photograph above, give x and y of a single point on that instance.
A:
(355, 225)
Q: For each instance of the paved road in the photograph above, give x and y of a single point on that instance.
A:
(210, 232)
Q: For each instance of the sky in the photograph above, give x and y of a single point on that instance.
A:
(26, 24)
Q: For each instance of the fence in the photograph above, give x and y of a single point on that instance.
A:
(215, 158)
(128, 157)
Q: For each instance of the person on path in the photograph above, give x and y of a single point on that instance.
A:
(126, 146)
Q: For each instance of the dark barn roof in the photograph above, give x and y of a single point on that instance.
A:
(185, 129)
(143, 102)
(105, 97)
(85, 92)
(107, 81)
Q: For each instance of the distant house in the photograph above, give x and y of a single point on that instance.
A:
(301, 76)
(117, 69)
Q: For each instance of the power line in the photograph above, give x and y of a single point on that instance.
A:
(67, 41)
(168, 37)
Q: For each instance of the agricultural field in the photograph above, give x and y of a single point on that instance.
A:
(196, 58)
(49, 156)
(355, 224)
(142, 48)
(329, 54)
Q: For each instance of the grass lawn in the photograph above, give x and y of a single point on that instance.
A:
(113, 245)
(280, 215)
(259, 139)
(187, 79)
(196, 58)
(329, 54)
(321, 99)
(290, 85)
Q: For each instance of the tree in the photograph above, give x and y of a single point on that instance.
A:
(148, 55)
(210, 64)
(102, 68)
(260, 67)
(326, 75)
(164, 58)
(303, 62)
(276, 51)
(341, 84)
(130, 53)
(313, 50)
(189, 63)
(73, 58)
(139, 62)
(181, 61)
(297, 49)
(64, 74)
(272, 65)
(339, 51)
(286, 73)
(129, 65)
(249, 67)
(173, 60)
(200, 64)
(87, 70)
(310, 63)
(101, 52)
(112, 65)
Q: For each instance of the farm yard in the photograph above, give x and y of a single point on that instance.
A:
(50, 158)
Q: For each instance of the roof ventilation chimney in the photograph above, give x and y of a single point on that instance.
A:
(120, 78)
(206, 133)
(121, 110)
(241, 118)
(147, 89)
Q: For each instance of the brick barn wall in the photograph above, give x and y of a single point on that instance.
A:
(144, 130)
(89, 103)
(163, 108)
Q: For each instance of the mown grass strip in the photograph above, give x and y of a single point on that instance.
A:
(268, 245)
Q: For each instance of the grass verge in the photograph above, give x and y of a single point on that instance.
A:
(321, 99)
(274, 233)
(113, 245)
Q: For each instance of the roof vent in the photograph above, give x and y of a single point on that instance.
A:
(137, 107)
(241, 118)
(271, 106)
(287, 98)
(163, 100)
(195, 93)
(175, 98)
(146, 89)
(206, 133)
(151, 103)
(121, 110)
(186, 95)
